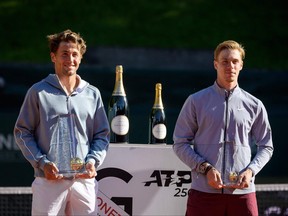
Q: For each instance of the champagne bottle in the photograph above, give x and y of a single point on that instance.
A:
(157, 121)
(118, 111)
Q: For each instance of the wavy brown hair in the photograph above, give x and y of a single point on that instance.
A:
(55, 39)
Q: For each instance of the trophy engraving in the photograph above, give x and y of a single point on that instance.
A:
(233, 176)
(76, 164)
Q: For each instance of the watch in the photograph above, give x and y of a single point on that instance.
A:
(204, 167)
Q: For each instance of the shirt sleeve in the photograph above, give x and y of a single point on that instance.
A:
(25, 126)
(184, 132)
(262, 136)
(101, 135)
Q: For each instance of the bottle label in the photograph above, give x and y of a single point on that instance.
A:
(159, 131)
(120, 125)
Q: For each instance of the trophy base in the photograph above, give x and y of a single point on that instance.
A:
(71, 174)
(231, 185)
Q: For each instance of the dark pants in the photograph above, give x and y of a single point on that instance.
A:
(207, 204)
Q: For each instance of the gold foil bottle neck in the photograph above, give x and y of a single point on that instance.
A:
(119, 87)
(119, 69)
(158, 96)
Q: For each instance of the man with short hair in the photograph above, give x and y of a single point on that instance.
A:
(63, 131)
(221, 123)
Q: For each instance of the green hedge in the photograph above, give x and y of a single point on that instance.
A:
(261, 26)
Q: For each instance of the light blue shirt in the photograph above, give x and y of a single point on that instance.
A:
(52, 126)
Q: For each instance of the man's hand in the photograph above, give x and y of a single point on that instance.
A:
(214, 179)
(243, 181)
(90, 172)
(51, 172)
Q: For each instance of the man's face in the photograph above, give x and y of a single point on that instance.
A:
(67, 59)
(228, 65)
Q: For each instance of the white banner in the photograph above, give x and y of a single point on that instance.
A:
(142, 179)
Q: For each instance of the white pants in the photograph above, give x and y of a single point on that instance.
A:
(64, 197)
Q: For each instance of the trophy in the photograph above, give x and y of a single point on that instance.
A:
(65, 150)
(233, 177)
(76, 164)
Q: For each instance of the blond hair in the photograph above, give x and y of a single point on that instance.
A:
(231, 45)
